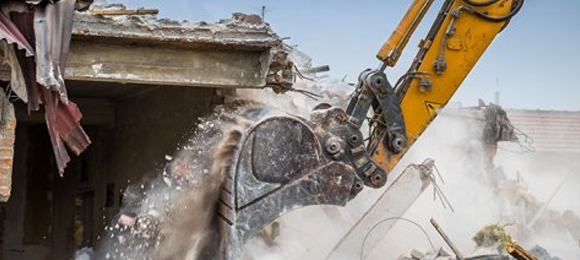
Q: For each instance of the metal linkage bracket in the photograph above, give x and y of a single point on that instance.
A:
(374, 90)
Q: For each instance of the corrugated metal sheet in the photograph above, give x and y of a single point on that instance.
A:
(62, 121)
(62, 116)
(53, 27)
(25, 23)
(551, 131)
(10, 33)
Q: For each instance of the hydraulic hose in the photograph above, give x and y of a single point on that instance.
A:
(503, 18)
(480, 4)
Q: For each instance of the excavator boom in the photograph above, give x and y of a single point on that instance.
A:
(285, 162)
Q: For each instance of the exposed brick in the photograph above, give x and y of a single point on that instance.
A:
(7, 137)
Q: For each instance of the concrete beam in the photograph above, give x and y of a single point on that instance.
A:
(241, 52)
(166, 65)
(394, 202)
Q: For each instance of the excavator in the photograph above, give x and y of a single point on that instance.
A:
(284, 162)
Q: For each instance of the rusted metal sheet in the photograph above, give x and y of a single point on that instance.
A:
(49, 28)
(25, 23)
(53, 27)
(160, 52)
(62, 121)
(10, 33)
(7, 137)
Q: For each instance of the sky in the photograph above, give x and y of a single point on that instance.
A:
(532, 64)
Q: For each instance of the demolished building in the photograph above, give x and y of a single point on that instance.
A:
(141, 83)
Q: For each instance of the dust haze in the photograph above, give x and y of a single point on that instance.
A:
(180, 200)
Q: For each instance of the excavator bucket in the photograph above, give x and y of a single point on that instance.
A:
(286, 162)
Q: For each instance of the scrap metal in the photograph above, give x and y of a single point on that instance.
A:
(48, 28)
(53, 28)
(10, 33)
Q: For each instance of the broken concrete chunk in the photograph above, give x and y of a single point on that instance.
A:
(126, 220)
(417, 255)
(403, 257)
(247, 18)
(442, 252)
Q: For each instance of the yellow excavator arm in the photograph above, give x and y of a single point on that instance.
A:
(459, 36)
(285, 162)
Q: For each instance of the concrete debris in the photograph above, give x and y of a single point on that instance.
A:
(491, 235)
(270, 233)
(50, 25)
(516, 195)
(498, 127)
(417, 255)
(280, 75)
(439, 254)
(247, 18)
(542, 254)
(241, 30)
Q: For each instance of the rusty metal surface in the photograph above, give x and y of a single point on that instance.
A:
(53, 27)
(242, 35)
(10, 33)
(25, 23)
(49, 29)
(63, 125)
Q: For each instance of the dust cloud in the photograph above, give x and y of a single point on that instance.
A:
(478, 198)
(171, 216)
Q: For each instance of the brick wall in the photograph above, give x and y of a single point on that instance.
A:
(7, 136)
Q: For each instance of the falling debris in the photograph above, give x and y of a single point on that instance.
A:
(221, 140)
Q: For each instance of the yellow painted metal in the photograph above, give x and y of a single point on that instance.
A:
(518, 252)
(392, 48)
(461, 52)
